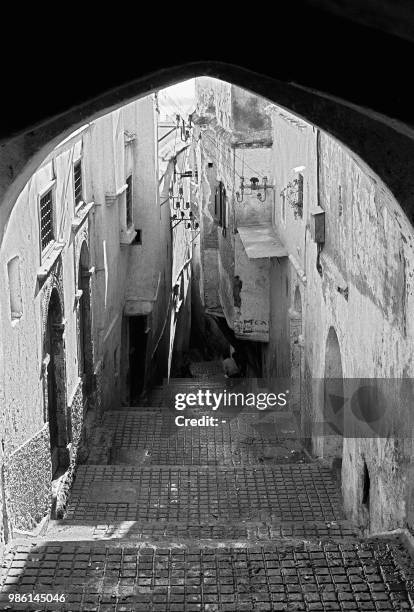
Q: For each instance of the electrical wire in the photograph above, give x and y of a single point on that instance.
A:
(230, 168)
(181, 113)
(244, 163)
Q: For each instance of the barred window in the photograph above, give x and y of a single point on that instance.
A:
(220, 205)
(300, 189)
(46, 219)
(128, 197)
(77, 182)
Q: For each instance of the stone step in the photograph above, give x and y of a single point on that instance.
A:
(292, 576)
(212, 533)
(152, 436)
(276, 493)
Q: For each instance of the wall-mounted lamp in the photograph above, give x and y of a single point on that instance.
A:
(254, 188)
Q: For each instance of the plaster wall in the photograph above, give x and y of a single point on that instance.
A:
(110, 148)
(364, 293)
(369, 251)
(25, 434)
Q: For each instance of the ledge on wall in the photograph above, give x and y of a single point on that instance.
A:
(49, 261)
(127, 236)
(111, 198)
(81, 215)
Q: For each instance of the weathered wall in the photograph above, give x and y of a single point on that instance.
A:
(250, 295)
(27, 478)
(363, 291)
(110, 148)
(369, 252)
(25, 436)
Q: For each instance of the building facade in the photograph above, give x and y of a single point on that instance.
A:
(320, 274)
(89, 261)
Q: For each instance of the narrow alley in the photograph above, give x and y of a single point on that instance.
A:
(231, 518)
(205, 379)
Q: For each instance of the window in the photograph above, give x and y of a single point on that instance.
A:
(47, 233)
(138, 237)
(128, 200)
(300, 196)
(283, 206)
(77, 183)
(220, 205)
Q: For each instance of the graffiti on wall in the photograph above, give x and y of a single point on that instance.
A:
(254, 328)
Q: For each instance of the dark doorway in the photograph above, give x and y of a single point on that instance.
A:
(56, 386)
(85, 357)
(366, 486)
(137, 355)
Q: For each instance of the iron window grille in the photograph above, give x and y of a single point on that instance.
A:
(47, 234)
(128, 201)
(77, 183)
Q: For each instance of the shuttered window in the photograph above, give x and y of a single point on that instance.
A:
(46, 219)
(77, 182)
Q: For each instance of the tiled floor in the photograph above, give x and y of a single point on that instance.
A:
(234, 518)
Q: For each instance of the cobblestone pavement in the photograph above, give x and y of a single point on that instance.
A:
(234, 518)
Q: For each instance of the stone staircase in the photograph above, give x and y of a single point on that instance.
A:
(228, 518)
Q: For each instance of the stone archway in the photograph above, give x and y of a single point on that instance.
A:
(357, 128)
(85, 352)
(333, 402)
(55, 385)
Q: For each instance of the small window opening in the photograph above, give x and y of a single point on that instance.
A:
(138, 237)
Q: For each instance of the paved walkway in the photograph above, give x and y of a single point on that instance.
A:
(230, 518)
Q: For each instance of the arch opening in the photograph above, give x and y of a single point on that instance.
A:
(357, 128)
(55, 396)
(333, 402)
(85, 351)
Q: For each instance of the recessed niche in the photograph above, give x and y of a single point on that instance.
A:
(15, 291)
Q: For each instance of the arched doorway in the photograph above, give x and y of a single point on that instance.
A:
(333, 402)
(55, 388)
(85, 357)
(296, 345)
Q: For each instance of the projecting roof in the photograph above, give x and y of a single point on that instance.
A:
(261, 241)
